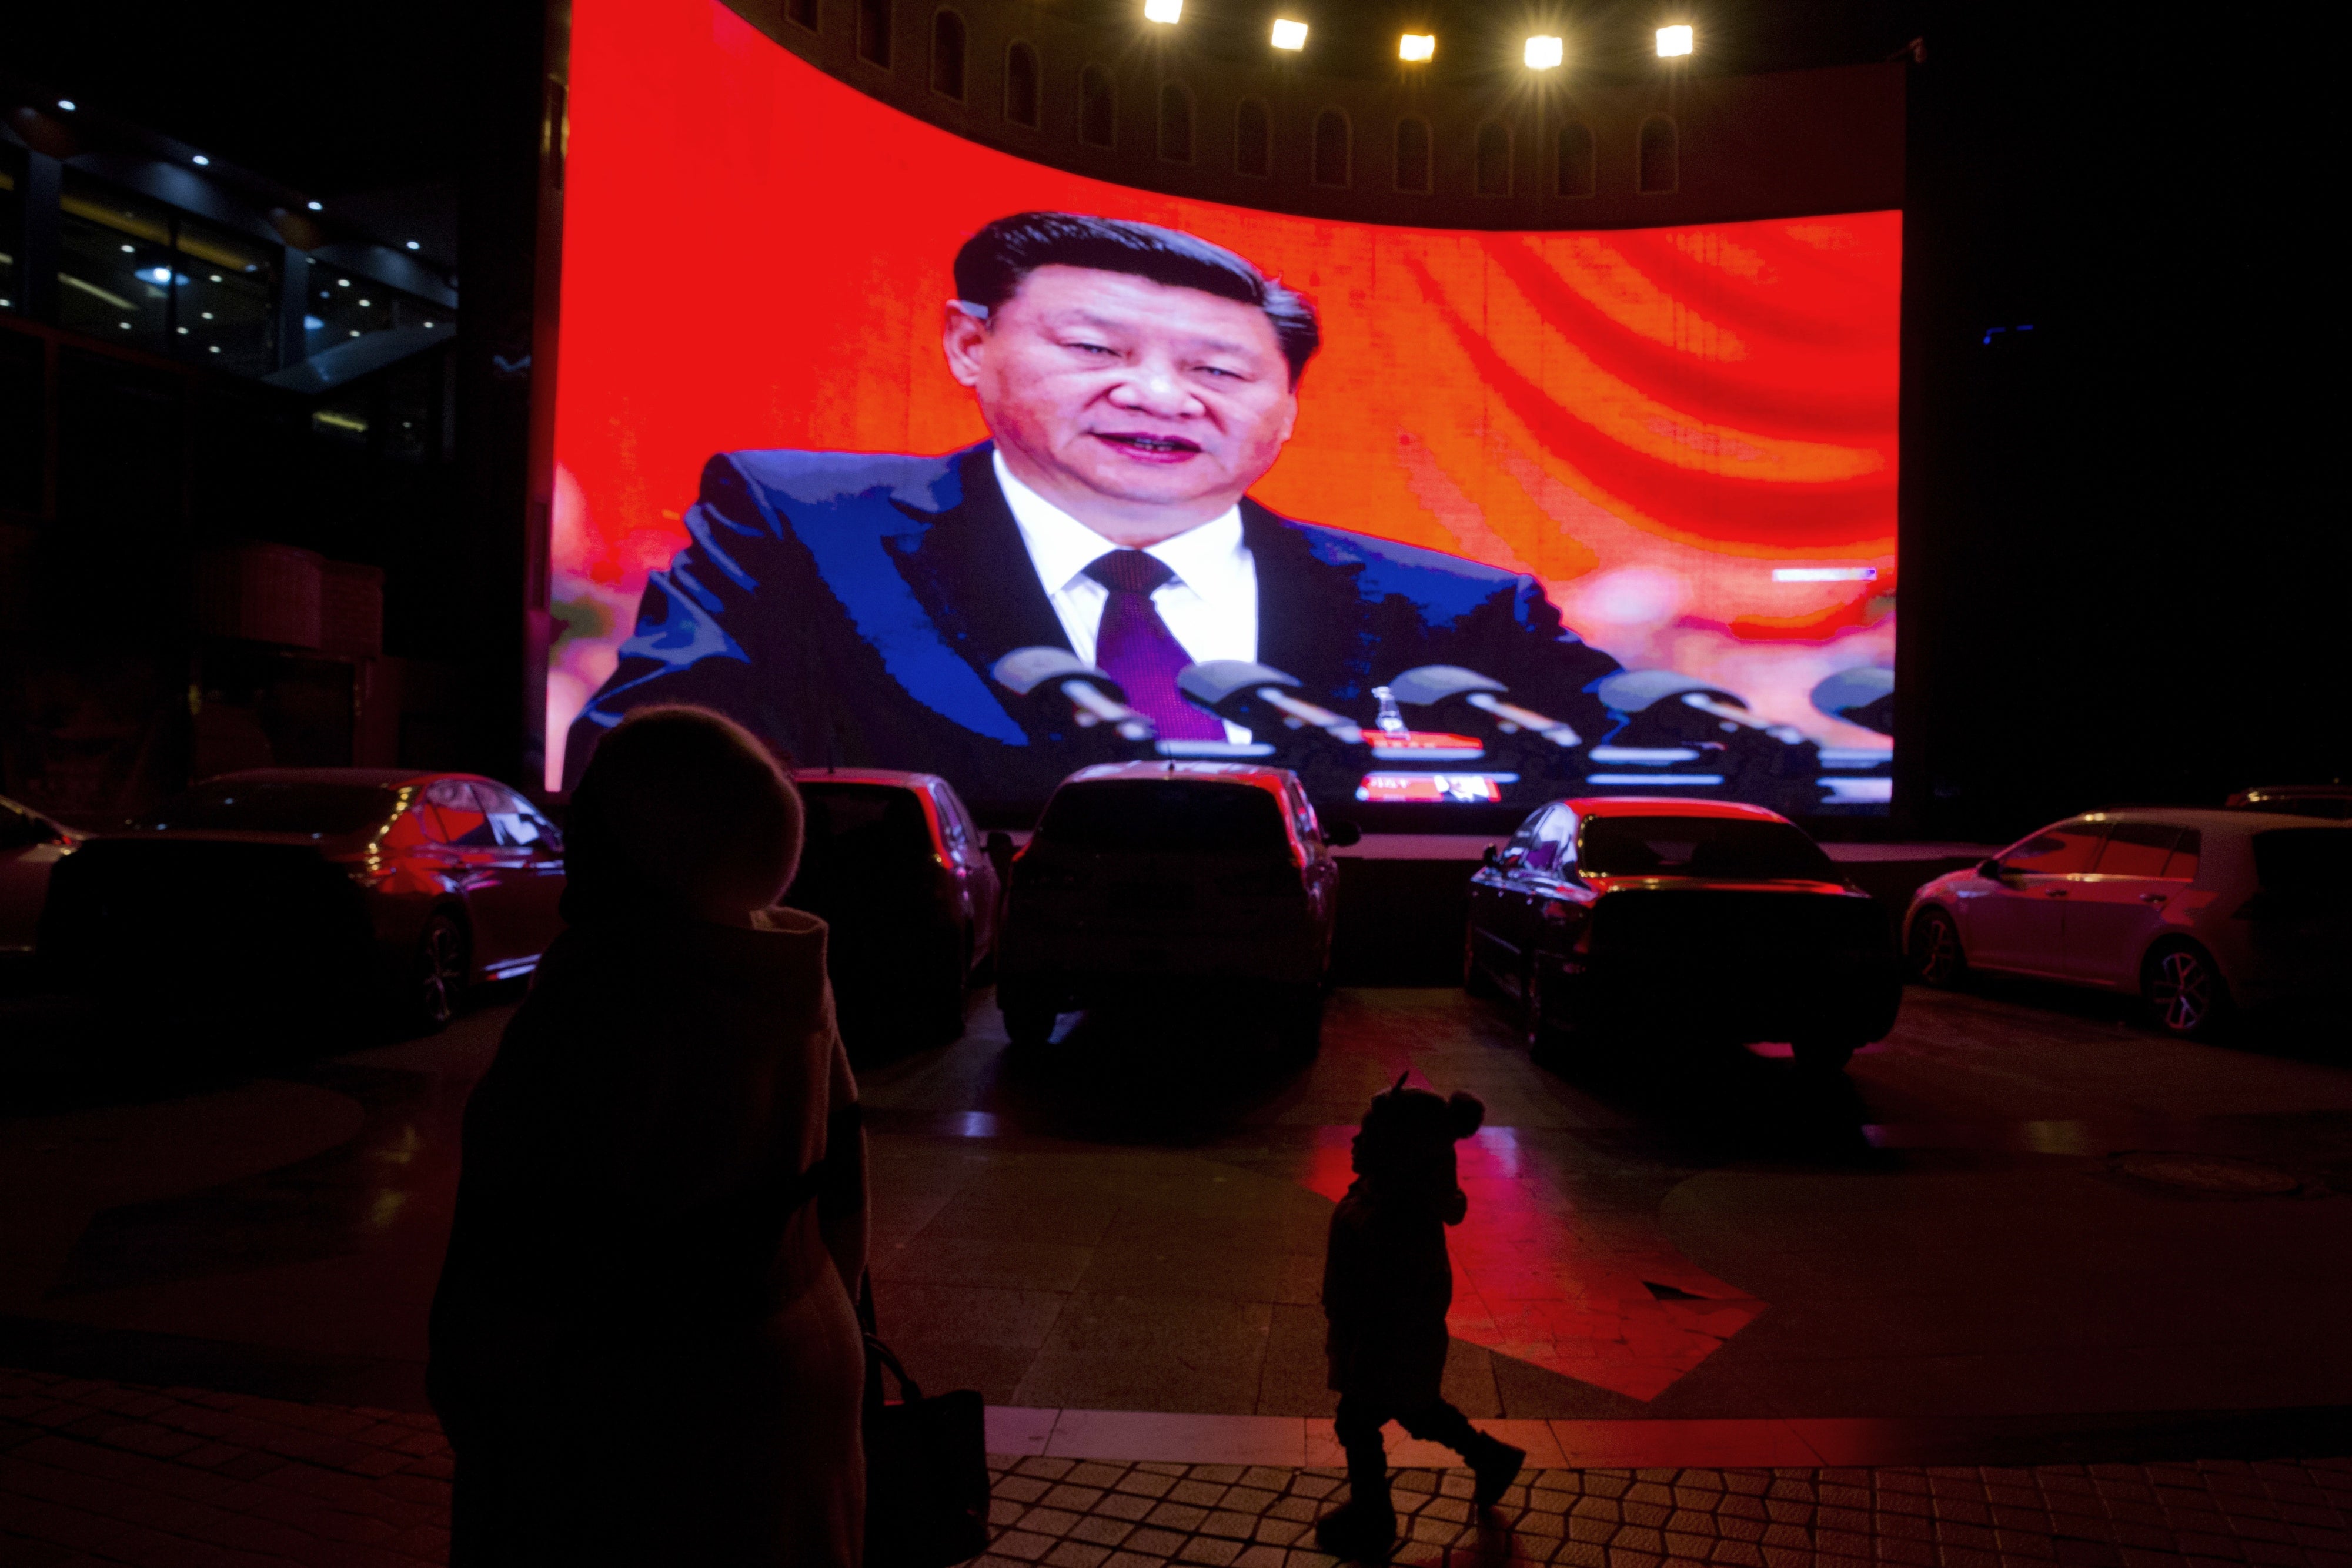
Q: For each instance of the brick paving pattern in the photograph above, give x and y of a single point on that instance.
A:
(111, 1473)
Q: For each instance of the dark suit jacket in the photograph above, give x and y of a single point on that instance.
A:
(849, 606)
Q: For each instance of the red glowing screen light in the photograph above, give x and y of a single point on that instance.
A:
(1650, 421)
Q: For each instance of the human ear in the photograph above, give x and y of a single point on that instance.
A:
(963, 335)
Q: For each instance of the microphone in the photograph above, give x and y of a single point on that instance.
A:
(1681, 708)
(1430, 684)
(1258, 697)
(1093, 697)
(1863, 695)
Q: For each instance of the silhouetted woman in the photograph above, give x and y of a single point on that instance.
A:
(644, 1346)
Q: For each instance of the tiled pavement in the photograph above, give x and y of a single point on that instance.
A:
(109, 1473)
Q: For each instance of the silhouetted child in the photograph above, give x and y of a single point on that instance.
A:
(645, 1350)
(1387, 1281)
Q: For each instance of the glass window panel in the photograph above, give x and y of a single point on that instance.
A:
(227, 314)
(115, 263)
(344, 307)
(11, 224)
(2137, 849)
(2182, 863)
(2068, 849)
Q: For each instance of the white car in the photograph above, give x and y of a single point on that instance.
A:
(30, 844)
(2197, 912)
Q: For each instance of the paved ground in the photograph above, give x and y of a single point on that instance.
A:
(2021, 1232)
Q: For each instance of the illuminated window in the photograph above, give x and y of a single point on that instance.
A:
(1493, 159)
(803, 13)
(1252, 139)
(947, 55)
(1330, 148)
(1575, 175)
(873, 32)
(1412, 155)
(1020, 85)
(1097, 108)
(1176, 124)
(1660, 166)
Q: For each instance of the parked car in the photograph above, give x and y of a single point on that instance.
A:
(1148, 880)
(1702, 920)
(30, 847)
(912, 891)
(2333, 801)
(322, 884)
(2198, 912)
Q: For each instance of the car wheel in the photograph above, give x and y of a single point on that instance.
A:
(1937, 955)
(1822, 1056)
(2186, 995)
(438, 979)
(1474, 975)
(1028, 1022)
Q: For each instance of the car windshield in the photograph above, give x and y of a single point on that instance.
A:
(1729, 848)
(1164, 816)
(275, 806)
(2303, 863)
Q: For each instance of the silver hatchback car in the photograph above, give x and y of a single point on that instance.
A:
(2197, 912)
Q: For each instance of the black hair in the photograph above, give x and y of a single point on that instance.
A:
(990, 267)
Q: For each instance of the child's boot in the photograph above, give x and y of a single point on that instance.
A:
(1494, 1465)
(1364, 1526)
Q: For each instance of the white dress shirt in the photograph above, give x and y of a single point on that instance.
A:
(1209, 606)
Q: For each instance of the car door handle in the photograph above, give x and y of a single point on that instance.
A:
(2053, 893)
(2154, 897)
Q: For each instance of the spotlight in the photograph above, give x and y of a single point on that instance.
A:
(414, 246)
(1165, 11)
(1289, 35)
(316, 206)
(1416, 46)
(1544, 53)
(1673, 41)
(67, 104)
(201, 161)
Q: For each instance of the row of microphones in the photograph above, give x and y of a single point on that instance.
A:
(1267, 701)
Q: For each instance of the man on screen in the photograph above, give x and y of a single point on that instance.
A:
(1136, 382)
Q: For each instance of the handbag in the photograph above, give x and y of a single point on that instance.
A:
(926, 1465)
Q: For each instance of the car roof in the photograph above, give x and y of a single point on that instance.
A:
(2210, 819)
(884, 776)
(1254, 774)
(1667, 806)
(387, 777)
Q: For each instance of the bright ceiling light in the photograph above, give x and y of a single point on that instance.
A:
(1166, 10)
(1416, 46)
(1673, 41)
(1544, 52)
(1289, 35)
(67, 104)
(316, 206)
(414, 246)
(201, 161)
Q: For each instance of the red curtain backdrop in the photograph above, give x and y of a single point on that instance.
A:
(1651, 420)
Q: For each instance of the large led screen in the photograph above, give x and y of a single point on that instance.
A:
(1543, 514)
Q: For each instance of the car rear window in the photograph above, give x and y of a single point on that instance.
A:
(1728, 848)
(230, 805)
(2301, 864)
(1164, 816)
(869, 823)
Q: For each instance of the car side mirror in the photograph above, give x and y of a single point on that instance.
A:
(1991, 869)
(1340, 833)
(1490, 857)
(998, 847)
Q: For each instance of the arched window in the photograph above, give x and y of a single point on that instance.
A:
(1252, 139)
(1176, 124)
(1493, 159)
(803, 13)
(1097, 108)
(1575, 176)
(1412, 154)
(947, 55)
(1330, 148)
(873, 32)
(1661, 168)
(1020, 85)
